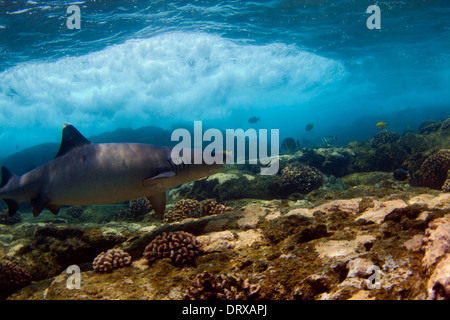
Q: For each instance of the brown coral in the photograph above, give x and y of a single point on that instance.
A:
(384, 137)
(135, 211)
(189, 208)
(110, 260)
(12, 277)
(181, 247)
(185, 208)
(434, 169)
(206, 286)
(211, 207)
(301, 178)
(140, 206)
(446, 186)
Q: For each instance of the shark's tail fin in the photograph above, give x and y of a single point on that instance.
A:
(12, 204)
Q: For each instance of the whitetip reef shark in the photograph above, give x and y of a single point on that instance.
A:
(86, 173)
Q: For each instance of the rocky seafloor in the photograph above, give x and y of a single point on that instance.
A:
(346, 234)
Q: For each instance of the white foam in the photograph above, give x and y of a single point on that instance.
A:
(189, 76)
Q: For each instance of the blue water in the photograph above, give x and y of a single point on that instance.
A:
(168, 63)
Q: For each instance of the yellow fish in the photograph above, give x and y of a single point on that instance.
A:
(381, 125)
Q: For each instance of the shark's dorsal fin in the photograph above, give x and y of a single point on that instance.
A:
(6, 176)
(71, 138)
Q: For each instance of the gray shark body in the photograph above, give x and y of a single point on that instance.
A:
(85, 173)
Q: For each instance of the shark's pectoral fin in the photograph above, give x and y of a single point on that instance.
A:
(158, 202)
(13, 206)
(158, 179)
(167, 174)
(53, 208)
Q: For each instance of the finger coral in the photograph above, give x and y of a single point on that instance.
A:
(185, 208)
(384, 137)
(190, 208)
(181, 247)
(206, 286)
(211, 207)
(12, 277)
(301, 178)
(110, 260)
(135, 211)
(434, 169)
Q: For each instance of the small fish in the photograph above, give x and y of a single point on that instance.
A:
(309, 126)
(253, 120)
(381, 125)
(328, 140)
(401, 175)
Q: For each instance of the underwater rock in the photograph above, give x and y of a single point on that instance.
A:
(7, 220)
(313, 286)
(350, 205)
(415, 243)
(52, 248)
(414, 143)
(206, 286)
(231, 185)
(110, 260)
(389, 157)
(434, 169)
(12, 278)
(438, 242)
(384, 137)
(429, 126)
(442, 201)
(438, 287)
(359, 268)
(366, 178)
(343, 250)
(381, 210)
(181, 247)
(297, 177)
(291, 249)
(445, 125)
